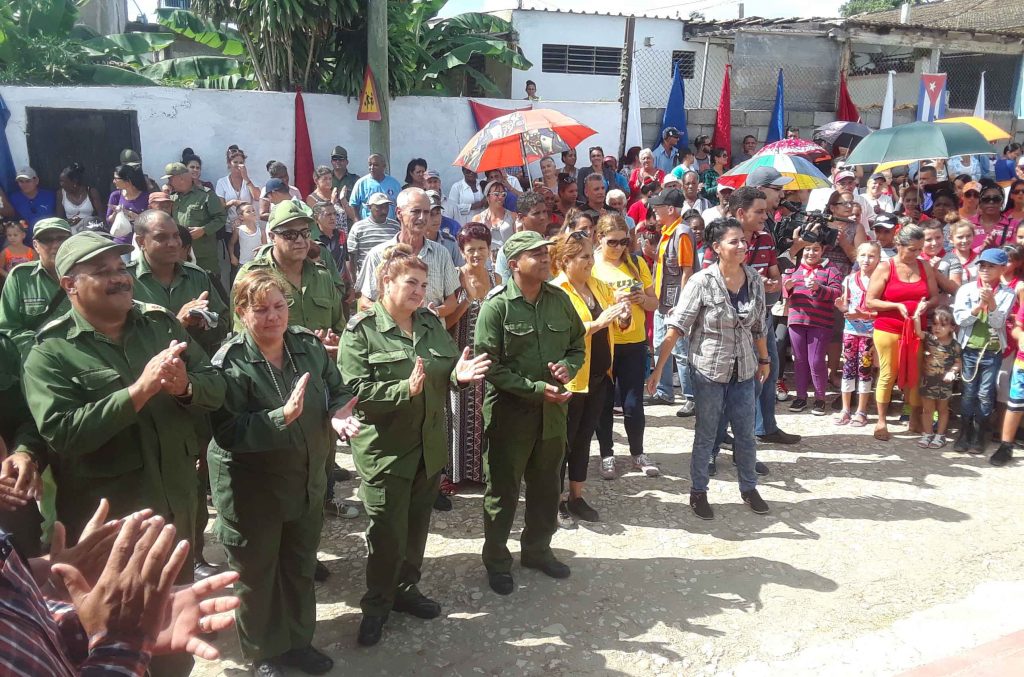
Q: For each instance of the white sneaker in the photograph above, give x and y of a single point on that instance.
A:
(608, 468)
(645, 464)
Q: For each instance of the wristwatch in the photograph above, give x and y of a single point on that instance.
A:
(187, 395)
(760, 360)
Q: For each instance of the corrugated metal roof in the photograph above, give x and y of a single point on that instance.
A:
(1004, 17)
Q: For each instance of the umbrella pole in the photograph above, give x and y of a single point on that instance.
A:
(526, 165)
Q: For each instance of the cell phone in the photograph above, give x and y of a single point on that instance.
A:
(635, 287)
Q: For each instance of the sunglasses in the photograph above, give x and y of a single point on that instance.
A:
(579, 235)
(992, 199)
(293, 235)
(973, 194)
(1017, 192)
(624, 242)
(844, 203)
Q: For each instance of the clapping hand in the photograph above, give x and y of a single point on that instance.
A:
(190, 614)
(987, 297)
(293, 407)
(417, 378)
(555, 395)
(173, 376)
(200, 303)
(344, 423)
(330, 341)
(560, 372)
(471, 369)
(19, 481)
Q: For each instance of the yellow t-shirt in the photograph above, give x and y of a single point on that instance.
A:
(621, 277)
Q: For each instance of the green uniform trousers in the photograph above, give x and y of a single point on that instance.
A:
(508, 461)
(275, 561)
(399, 510)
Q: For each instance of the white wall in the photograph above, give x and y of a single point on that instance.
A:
(263, 124)
(536, 28)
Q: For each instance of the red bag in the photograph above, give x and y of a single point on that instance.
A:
(910, 345)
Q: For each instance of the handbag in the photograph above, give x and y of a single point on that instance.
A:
(121, 227)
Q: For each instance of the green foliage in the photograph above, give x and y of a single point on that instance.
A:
(224, 39)
(852, 7)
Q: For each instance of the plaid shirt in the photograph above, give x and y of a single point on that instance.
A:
(442, 275)
(721, 337)
(43, 637)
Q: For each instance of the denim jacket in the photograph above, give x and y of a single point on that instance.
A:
(967, 299)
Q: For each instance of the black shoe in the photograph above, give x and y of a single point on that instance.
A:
(565, 520)
(442, 503)
(760, 468)
(322, 573)
(779, 437)
(1003, 455)
(712, 467)
(501, 583)
(418, 605)
(339, 474)
(701, 507)
(754, 500)
(727, 441)
(837, 403)
(204, 570)
(309, 660)
(551, 567)
(656, 400)
(688, 409)
(266, 669)
(798, 405)
(979, 436)
(370, 630)
(579, 507)
(818, 408)
(963, 438)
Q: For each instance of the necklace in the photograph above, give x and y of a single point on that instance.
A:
(270, 370)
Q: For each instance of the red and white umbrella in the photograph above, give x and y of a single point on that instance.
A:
(799, 147)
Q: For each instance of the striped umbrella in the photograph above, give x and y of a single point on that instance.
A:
(520, 138)
(802, 147)
(805, 175)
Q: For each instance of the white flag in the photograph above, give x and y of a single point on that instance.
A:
(634, 131)
(887, 105)
(979, 105)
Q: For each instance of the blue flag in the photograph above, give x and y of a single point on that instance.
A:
(675, 110)
(776, 128)
(7, 172)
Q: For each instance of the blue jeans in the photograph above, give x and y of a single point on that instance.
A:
(764, 412)
(713, 400)
(679, 356)
(979, 394)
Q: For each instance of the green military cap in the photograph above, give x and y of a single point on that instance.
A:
(85, 246)
(340, 153)
(523, 241)
(287, 212)
(52, 223)
(130, 157)
(174, 169)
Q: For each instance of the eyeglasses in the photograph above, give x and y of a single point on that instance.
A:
(618, 243)
(293, 235)
(992, 199)
(566, 179)
(579, 235)
(973, 194)
(1017, 192)
(498, 192)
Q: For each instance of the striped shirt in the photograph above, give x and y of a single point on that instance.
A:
(366, 234)
(44, 637)
(442, 275)
(814, 307)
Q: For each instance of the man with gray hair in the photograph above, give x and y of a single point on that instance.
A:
(442, 277)
(377, 181)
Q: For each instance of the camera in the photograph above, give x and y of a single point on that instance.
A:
(812, 226)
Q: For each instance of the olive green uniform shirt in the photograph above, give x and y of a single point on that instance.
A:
(376, 359)
(76, 383)
(316, 304)
(30, 298)
(17, 428)
(258, 464)
(189, 282)
(201, 208)
(522, 338)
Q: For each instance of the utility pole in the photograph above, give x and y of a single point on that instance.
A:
(627, 67)
(377, 58)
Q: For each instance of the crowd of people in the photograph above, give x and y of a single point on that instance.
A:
(197, 338)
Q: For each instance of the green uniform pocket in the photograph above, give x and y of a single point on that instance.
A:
(228, 535)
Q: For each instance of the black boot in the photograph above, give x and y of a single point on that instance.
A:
(980, 435)
(963, 438)
(1003, 455)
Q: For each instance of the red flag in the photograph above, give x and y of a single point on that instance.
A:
(722, 138)
(303, 168)
(483, 113)
(846, 112)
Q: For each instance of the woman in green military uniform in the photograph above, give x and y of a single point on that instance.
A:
(399, 360)
(273, 441)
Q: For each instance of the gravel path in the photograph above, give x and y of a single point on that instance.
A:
(863, 537)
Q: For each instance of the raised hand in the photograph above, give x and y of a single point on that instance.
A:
(293, 407)
(471, 369)
(200, 303)
(417, 378)
(190, 613)
(330, 341)
(173, 376)
(560, 372)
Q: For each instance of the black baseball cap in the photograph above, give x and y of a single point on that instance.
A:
(673, 197)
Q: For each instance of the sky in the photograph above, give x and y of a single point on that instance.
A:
(712, 9)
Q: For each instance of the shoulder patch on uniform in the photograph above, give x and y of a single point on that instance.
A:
(24, 268)
(495, 291)
(188, 265)
(52, 324)
(155, 309)
(218, 358)
(134, 263)
(298, 329)
(359, 317)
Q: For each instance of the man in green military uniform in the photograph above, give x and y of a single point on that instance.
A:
(32, 294)
(112, 386)
(202, 212)
(534, 336)
(161, 277)
(315, 299)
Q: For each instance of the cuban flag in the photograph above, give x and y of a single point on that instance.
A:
(931, 100)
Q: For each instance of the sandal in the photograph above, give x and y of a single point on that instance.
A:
(938, 441)
(843, 418)
(882, 434)
(859, 420)
(924, 441)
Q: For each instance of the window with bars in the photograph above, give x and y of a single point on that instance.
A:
(687, 63)
(581, 60)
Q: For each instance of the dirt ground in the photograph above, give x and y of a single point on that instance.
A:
(875, 558)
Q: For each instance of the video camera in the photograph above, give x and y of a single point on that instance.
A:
(810, 226)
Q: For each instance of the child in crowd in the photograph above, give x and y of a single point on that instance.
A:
(16, 251)
(885, 227)
(247, 236)
(941, 364)
(812, 288)
(1015, 403)
(948, 271)
(858, 345)
(962, 234)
